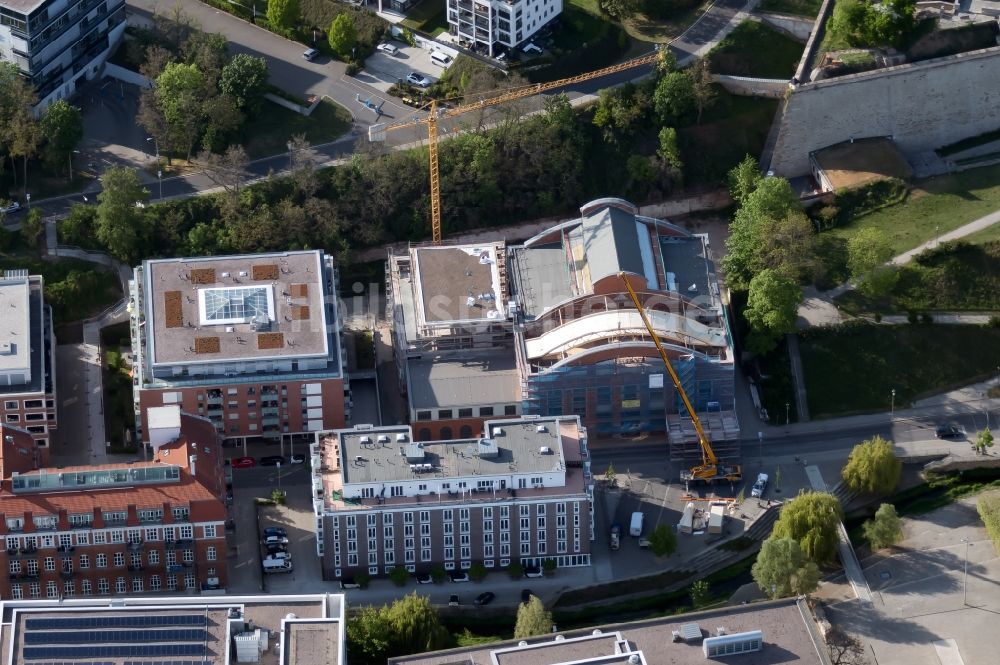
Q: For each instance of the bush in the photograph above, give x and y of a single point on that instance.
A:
(516, 571)
(477, 572)
(858, 201)
(549, 566)
(362, 579)
(278, 497)
(989, 511)
(399, 575)
(438, 574)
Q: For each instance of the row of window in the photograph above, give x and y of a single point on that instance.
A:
(69, 587)
(30, 566)
(180, 514)
(113, 536)
(15, 405)
(483, 412)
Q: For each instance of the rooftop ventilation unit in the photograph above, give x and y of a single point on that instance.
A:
(689, 632)
(732, 645)
(400, 437)
(414, 452)
(634, 659)
(365, 440)
(383, 438)
(497, 431)
(541, 429)
(488, 449)
(544, 450)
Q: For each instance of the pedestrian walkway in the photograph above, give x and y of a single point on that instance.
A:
(855, 575)
(798, 377)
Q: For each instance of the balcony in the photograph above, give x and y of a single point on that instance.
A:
(30, 549)
(65, 548)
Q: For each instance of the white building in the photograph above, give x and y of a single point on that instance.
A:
(55, 43)
(489, 24)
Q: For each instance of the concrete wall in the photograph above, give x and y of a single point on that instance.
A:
(796, 27)
(922, 106)
(127, 75)
(752, 87)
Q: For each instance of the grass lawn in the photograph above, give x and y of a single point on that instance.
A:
(934, 206)
(956, 276)
(661, 30)
(430, 16)
(757, 50)
(990, 234)
(268, 133)
(75, 289)
(581, 23)
(853, 369)
(808, 8)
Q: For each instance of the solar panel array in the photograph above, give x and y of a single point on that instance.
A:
(113, 651)
(101, 636)
(121, 620)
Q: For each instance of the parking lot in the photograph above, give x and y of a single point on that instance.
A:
(383, 71)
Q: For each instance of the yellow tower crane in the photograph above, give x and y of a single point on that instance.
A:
(709, 469)
(378, 132)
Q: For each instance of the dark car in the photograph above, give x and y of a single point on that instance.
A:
(453, 600)
(485, 598)
(949, 431)
(271, 460)
(274, 531)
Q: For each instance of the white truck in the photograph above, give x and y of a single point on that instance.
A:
(635, 527)
(277, 565)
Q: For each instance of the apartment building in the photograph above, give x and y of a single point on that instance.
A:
(252, 342)
(493, 25)
(271, 629)
(27, 359)
(523, 494)
(56, 43)
(130, 528)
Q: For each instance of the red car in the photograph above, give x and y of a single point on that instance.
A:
(243, 462)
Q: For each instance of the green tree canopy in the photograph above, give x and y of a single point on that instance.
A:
(782, 569)
(283, 13)
(865, 23)
(867, 253)
(811, 519)
(32, 227)
(984, 441)
(772, 309)
(663, 540)
(180, 95)
(620, 110)
(872, 467)
(743, 179)
(343, 35)
(118, 218)
(62, 125)
(885, 529)
(532, 619)
(409, 625)
(668, 151)
(244, 78)
(673, 98)
(619, 9)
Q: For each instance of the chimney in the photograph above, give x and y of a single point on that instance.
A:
(191, 464)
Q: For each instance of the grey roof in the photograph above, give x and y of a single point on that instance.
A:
(518, 446)
(541, 276)
(15, 324)
(28, 328)
(445, 381)
(611, 242)
(685, 258)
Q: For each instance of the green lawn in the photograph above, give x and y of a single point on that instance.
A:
(430, 17)
(75, 289)
(934, 206)
(808, 8)
(757, 50)
(268, 133)
(661, 30)
(854, 368)
(990, 234)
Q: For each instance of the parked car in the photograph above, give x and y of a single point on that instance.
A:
(949, 431)
(533, 571)
(616, 536)
(485, 598)
(275, 540)
(387, 48)
(459, 577)
(310, 54)
(243, 463)
(275, 531)
(271, 460)
(416, 79)
(758, 488)
(279, 554)
(644, 543)
(525, 595)
(348, 583)
(297, 458)
(453, 600)
(13, 206)
(425, 579)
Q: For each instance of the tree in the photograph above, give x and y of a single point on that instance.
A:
(368, 636)
(984, 440)
(872, 466)
(118, 217)
(663, 541)
(283, 13)
(782, 569)
(77, 228)
(619, 9)
(154, 60)
(416, 626)
(772, 309)
(180, 94)
(885, 529)
(619, 110)
(703, 86)
(811, 519)
(62, 125)
(844, 649)
(868, 251)
(700, 594)
(610, 477)
(32, 227)
(438, 573)
(532, 619)
(477, 572)
(399, 575)
(343, 35)
(673, 98)
(668, 150)
(223, 119)
(227, 170)
(515, 570)
(244, 78)
(743, 179)
(209, 52)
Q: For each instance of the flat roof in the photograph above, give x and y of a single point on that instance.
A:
(857, 162)
(543, 277)
(518, 446)
(31, 340)
(685, 260)
(789, 632)
(15, 326)
(312, 643)
(247, 307)
(458, 283)
(484, 378)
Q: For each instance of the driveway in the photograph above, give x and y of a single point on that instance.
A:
(383, 71)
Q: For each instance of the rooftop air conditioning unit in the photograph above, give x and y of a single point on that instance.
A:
(383, 438)
(497, 431)
(541, 429)
(365, 440)
(544, 450)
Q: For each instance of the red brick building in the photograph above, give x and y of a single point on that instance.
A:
(132, 528)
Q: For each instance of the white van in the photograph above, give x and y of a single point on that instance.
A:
(439, 58)
(278, 565)
(635, 528)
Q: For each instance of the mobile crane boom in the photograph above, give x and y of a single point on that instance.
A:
(709, 468)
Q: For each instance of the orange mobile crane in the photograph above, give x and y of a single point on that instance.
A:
(710, 469)
(434, 115)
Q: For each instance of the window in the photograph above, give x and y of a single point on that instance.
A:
(154, 583)
(486, 411)
(152, 534)
(114, 516)
(84, 562)
(45, 521)
(510, 409)
(10, 405)
(65, 540)
(14, 567)
(50, 563)
(101, 560)
(189, 581)
(34, 589)
(171, 583)
(69, 588)
(118, 536)
(15, 592)
(88, 587)
(423, 415)
(465, 413)
(182, 514)
(83, 538)
(187, 532)
(51, 590)
(103, 587)
(150, 514)
(32, 567)
(120, 586)
(119, 559)
(134, 536)
(100, 537)
(444, 414)
(210, 554)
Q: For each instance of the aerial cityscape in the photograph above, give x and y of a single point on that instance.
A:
(499, 332)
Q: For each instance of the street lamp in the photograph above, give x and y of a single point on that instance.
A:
(892, 403)
(159, 172)
(786, 414)
(965, 582)
(291, 158)
(71, 153)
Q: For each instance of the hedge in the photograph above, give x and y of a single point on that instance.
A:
(989, 512)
